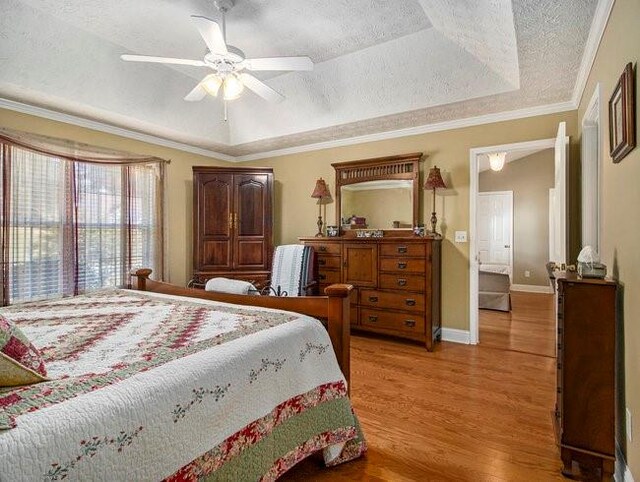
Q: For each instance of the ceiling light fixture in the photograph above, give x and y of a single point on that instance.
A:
(212, 84)
(497, 160)
(232, 87)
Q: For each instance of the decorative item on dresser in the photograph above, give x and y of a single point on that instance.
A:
(434, 181)
(585, 405)
(232, 223)
(396, 282)
(320, 192)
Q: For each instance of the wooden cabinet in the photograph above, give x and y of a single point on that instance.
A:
(585, 405)
(232, 223)
(396, 281)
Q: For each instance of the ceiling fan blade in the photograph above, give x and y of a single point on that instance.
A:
(211, 34)
(260, 88)
(279, 63)
(198, 93)
(161, 60)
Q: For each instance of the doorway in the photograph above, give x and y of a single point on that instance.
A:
(558, 147)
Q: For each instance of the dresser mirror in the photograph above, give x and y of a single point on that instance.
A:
(381, 193)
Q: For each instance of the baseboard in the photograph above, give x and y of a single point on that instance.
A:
(456, 336)
(623, 473)
(532, 288)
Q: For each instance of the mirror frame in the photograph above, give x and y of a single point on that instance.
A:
(400, 167)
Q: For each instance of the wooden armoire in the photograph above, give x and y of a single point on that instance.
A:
(232, 223)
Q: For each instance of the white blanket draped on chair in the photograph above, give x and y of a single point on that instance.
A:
(291, 265)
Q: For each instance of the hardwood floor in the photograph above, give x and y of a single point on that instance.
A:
(530, 327)
(461, 413)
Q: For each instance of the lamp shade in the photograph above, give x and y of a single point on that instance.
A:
(434, 180)
(321, 190)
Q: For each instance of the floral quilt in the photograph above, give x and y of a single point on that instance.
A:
(153, 387)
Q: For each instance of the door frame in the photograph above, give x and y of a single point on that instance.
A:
(510, 194)
(474, 327)
(592, 166)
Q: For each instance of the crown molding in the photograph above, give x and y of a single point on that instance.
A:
(598, 26)
(413, 131)
(109, 129)
(392, 134)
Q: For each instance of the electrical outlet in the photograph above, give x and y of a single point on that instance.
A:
(629, 425)
(527, 274)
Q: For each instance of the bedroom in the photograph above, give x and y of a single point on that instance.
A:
(83, 92)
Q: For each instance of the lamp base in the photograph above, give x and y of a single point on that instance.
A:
(434, 221)
(320, 223)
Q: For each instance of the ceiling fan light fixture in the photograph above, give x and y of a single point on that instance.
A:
(212, 84)
(497, 160)
(232, 87)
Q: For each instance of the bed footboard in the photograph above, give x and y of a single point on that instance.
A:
(334, 307)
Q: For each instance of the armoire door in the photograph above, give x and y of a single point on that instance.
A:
(213, 196)
(252, 221)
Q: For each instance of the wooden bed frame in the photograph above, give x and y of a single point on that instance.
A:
(332, 308)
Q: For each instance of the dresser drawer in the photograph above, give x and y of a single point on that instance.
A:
(404, 265)
(402, 282)
(400, 249)
(404, 322)
(325, 261)
(393, 301)
(328, 276)
(325, 247)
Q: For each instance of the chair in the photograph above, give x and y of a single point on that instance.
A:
(293, 273)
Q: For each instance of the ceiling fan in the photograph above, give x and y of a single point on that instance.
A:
(228, 63)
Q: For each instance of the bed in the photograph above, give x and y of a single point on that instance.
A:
(147, 384)
(494, 288)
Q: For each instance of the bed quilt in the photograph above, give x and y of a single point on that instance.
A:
(156, 387)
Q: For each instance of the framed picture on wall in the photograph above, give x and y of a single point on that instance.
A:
(622, 125)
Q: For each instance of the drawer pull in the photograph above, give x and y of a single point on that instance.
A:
(322, 276)
(410, 302)
(373, 299)
(402, 282)
(322, 262)
(559, 389)
(402, 249)
(322, 248)
(559, 366)
(410, 323)
(402, 265)
(373, 318)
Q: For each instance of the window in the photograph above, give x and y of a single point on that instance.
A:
(70, 226)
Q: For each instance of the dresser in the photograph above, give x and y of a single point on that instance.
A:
(586, 375)
(396, 282)
(232, 223)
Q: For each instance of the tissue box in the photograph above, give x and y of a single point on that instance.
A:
(592, 270)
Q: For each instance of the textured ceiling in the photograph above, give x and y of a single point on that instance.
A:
(380, 65)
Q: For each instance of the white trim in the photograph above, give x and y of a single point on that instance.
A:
(623, 472)
(592, 115)
(456, 336)
(598, 25)
(109, 129)
(474, 326)
(411, 131)
(532, 288)
(417, 130)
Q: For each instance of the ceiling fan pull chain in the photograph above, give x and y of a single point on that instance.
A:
(225, 110)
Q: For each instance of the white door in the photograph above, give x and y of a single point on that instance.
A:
(558, 201)
(495, 231)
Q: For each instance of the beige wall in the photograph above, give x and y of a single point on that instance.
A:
(621, 197)
(178, 182)
(530, 179)
(296, 174)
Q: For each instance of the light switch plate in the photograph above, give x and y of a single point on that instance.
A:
(461, 237)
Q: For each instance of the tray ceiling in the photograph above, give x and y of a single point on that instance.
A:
(380, 66)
